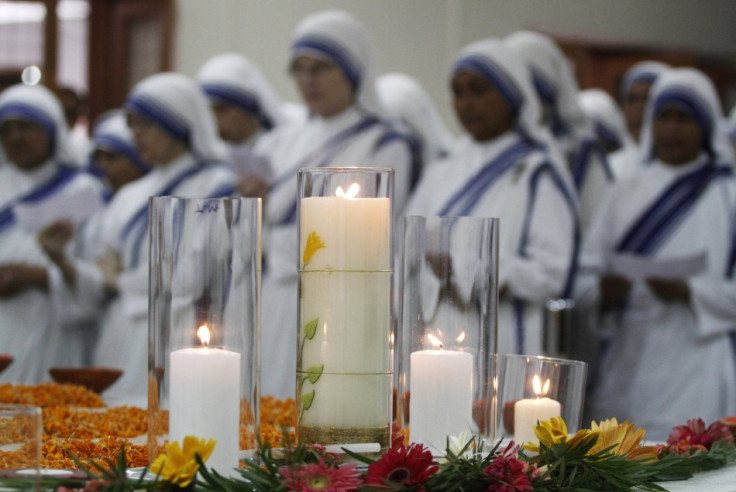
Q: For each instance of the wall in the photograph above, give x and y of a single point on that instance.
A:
(420, 37)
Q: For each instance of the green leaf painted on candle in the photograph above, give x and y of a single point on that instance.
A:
(314, 373)
(310, 329)
(307, 400)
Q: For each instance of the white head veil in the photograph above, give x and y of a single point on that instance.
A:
(38, 104)
(113, 135)
(644, 71)
(693, 91)
(492, 60)
(340, 38)
(231, 78)
(403, 98)
(554, 80)
(176, 103)
(607, 117)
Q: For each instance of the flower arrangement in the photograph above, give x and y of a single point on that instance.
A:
(608, 456)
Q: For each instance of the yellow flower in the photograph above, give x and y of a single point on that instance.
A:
(314, 242)
(625, 439)
(179, 466)
(554, 431)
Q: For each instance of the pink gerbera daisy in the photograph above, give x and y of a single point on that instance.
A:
(321, 477)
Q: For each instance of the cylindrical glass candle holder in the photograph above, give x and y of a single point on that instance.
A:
(20, 441)
(537, 388)
(204, 325)
(448, 282)
(344, 363)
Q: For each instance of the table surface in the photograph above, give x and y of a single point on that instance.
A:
(723, 480)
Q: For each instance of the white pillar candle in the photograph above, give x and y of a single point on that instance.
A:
(205, 401)
(441, 399)
(345, 245)
(529, 411)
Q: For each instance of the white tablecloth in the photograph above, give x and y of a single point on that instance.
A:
(723, 480)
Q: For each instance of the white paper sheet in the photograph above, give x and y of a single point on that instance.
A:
(76, 207)
(636, 267)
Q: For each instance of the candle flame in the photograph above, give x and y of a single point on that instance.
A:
(460, 337)
(352, 192)
(203, 333)
(538, 388)
(434, 340)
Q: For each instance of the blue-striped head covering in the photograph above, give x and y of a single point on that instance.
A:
(607, 117)
(232, 79)
(113, 135)
(341, 39)
(645, 71)
(38, 104)
(692, 91)
(492, 60)
(554, 81)
(175, 103)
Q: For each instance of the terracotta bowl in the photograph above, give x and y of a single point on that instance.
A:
(5, 361)
(98, 379)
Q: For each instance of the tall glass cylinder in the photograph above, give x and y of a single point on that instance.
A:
(204, 315)
(344, 363)
(448, 282)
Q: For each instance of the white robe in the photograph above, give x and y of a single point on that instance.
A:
(541, 272)
(286, 148)
(666, 362)
(30, 326)
(123, 339)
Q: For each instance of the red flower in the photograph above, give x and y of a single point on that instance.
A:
(507, 473)
(402, 466)
(696, 434)
(321, 477)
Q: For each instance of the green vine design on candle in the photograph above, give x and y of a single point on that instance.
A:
(313, 373)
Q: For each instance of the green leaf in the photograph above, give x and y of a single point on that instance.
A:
(314, 373)
(307, 400)
(310, 329)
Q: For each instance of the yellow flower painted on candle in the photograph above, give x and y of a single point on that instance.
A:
(314, 243)
(554, 431)
(179, 465)
(623, 439)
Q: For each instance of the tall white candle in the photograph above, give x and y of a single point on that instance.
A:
(205, 401)
(441, 401)
(346, 286)
(528, 411)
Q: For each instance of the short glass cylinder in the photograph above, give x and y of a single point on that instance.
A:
(20, 440)
(448, 286)
(205, 271)
(344, 362)
(537, 388)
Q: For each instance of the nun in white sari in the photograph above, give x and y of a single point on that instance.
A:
(634, 92)
(557, 89)
(505, 169)
(36, 170)
(332, 67)
(658, 267)
(246, 108)
(610, 127)
(174, 130)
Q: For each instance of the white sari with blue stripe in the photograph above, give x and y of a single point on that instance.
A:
(31, 331)
(124, 334)
(668, 362)
(511, 179)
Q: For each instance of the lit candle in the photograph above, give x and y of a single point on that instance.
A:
(529, 411)
(441, 401)
(205, 399)
(345, 242)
